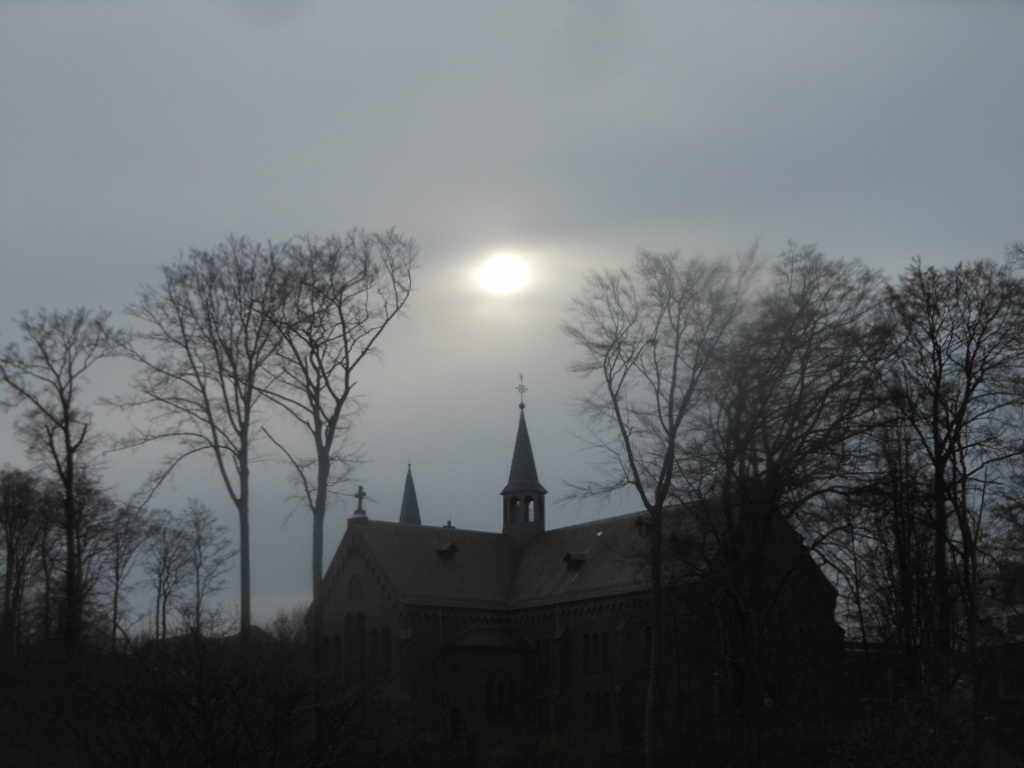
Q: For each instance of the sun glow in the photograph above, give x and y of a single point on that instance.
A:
(503, 273)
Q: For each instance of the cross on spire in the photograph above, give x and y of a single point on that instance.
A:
(521, 389)
(360, 496)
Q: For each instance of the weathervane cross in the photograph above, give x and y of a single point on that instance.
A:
(360, 496)
(521, 389)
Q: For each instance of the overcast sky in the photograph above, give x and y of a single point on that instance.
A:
(568, 133)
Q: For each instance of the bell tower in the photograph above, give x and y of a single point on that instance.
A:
(523, 496)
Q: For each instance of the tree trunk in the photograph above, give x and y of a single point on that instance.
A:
(944, 628)
(318, 589)
(245, 630)
(319, 515)
(73, 580)
(653, 703)
(114, 612)
(8, 621)
(246, 582)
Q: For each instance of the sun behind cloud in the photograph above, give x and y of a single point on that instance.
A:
(503, 273)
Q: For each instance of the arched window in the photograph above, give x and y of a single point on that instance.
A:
(501, 695)
(528, 508)
(374, 653)
(385, 652)
(349, 649)
(492, 704)
(360, 649)
(513, 508)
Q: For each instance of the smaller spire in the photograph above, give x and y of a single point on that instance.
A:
(523, 473)
(523, 497)
(410, 507)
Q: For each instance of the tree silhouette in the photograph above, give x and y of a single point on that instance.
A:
(204, 365)
(46, 374)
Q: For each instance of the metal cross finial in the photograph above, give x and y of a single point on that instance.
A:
(521, 389)
(360, 496)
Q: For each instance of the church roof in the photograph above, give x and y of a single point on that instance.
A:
(523, 474)
(424, 567)
(595, 559)
(410, 507)
(447, 566)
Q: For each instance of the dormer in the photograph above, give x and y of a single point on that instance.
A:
(447, 551)
(574, 561)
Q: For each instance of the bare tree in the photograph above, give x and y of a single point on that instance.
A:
(883, 557)
(1015, 252)
(128, 526)
(46, 373)
(186, 555)
(44, 608)
(792, 398)
(166, 566)
(97, 535)
(21, 528)
(957, 381)
(209, 558)
(204, 365)
(342, 293)
(1010, 515)
(648, 337)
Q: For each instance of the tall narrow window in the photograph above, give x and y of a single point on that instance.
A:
(349, 651)
(404, 664)
(385, 652)
(374, 653)
(360, 649)
(606, 710)
(492, 704)
(502, 699)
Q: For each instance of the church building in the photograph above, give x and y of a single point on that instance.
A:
(537, 631)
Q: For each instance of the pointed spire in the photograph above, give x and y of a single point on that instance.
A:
(410, 508)
(523, 474)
